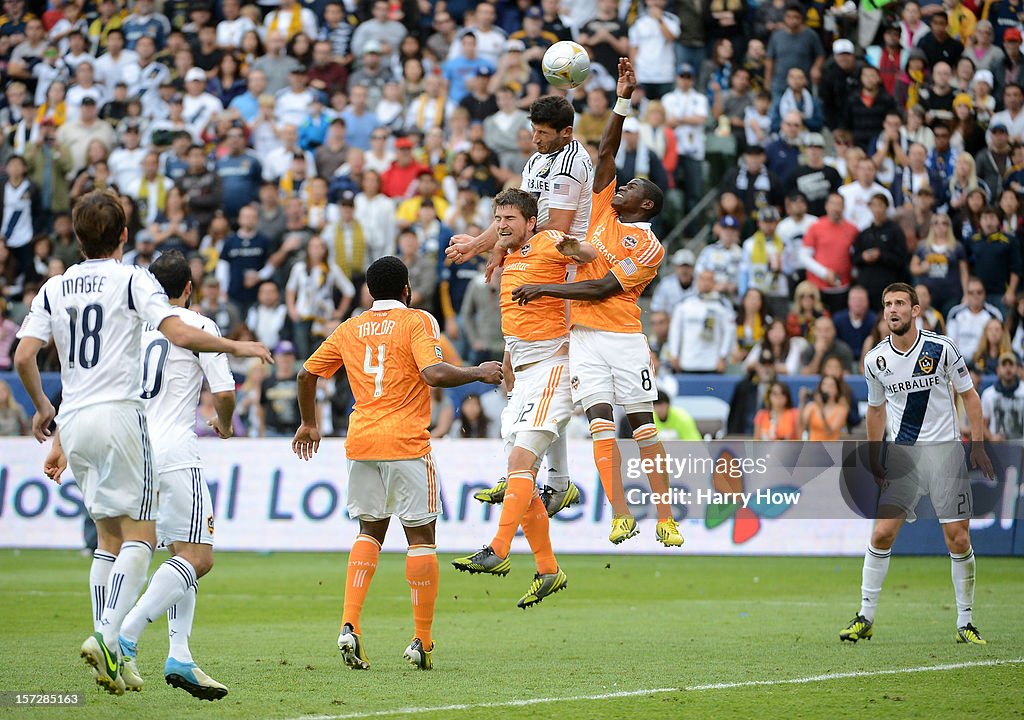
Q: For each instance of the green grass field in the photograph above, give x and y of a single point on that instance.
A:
(266, 626)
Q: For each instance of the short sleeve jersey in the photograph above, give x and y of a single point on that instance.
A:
(630, 251)
(94, 313)
(384, 350)
(563, 180)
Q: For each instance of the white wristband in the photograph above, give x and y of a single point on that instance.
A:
(622, 107)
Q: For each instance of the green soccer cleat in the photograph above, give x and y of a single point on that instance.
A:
(104, 663)
(969, 634)
(418, 657)
(557, 500)
(484, 561)
(542, 586)
(494, 495)
(668, 533)
(129, 669)
(860, 628)
(351, 647)
(190, 678)
(623, 528)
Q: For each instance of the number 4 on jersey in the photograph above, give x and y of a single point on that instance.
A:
(376, 370)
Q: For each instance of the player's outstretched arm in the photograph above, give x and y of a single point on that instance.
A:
(464, 247)
(586, 290)
(192, 338)
(979, 458)
(604, 173)
(28, 371)
(446, 375)
(307, 437)
(580, 251)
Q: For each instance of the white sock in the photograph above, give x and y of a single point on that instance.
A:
(963, 586)
(179, 625)
(127, 577)
(99, 575)
(169, 584)
(558, 464)
(876, 565)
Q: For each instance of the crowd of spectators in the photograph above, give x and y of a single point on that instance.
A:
(284, 145)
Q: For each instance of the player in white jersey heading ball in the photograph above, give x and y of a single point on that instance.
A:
(915, 449)
(95, 314)
(560, 175)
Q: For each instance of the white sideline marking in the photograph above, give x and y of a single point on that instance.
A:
(653, 691)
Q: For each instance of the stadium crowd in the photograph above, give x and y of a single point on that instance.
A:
(283, 146)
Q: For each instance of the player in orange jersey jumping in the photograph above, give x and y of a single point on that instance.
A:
(609, 359)
(392, 354)
(537, 345)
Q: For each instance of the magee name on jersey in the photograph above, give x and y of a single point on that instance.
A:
(563, 181)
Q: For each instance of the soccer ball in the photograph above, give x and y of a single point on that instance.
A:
(566, 65)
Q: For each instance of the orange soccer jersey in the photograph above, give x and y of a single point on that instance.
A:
(384, 349)
(538, 261)
(630, 251)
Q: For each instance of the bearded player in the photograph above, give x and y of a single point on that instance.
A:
(609, 358)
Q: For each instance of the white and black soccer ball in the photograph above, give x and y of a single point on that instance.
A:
(566, 65)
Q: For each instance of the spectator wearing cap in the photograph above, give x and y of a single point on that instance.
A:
(995, 260)
(879, 252)
(673, 289)
(198, 106)
(291, 104)
(702, 331)
(1002, 403)
(84, 86)
(395, 181)
(635, 160)
(652, 41)
(797, 98)
(275, 64)
(125, 161)
(763, 264)
(686, 111)
(536, 40)
(48, 166)
(783, 153)
(866, 110)
(723, 257)
(1006, 70)
(110, 66)
(1011, 117)
(890, 57)
(607, 38)
(279, 395)
(794, 45)
(289, 19)
(76, 136)
(144, 22)
(240, 173)
(480, 103)
(938, 45)
(994, 163)
(968, 135)
(814, 179)
(373, 73)
(360, 121)
(753, 182)
(840, 81)
(458, 70)
(826, 253)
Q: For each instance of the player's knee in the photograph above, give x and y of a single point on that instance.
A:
(883, 538)
(529, 446)
(645, 435)
(602, 429)
(199, 556)
(958, 539)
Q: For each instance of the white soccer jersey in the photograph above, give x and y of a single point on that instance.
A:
(94, 312)
(966, 327)
(172, 378)
(563, 180)
(917, 388)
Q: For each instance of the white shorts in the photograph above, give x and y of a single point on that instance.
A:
(184, 507)
(938, 470)
(108, 451)
(541, 399)
(378, 489)
(610, 367)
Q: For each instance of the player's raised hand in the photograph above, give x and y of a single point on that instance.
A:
(253, 349)
(981, 460)
(627, 79)
(306, 442)
(41, 422)
(569, 246)
(461, 248)
(491, 372)
(55, 463)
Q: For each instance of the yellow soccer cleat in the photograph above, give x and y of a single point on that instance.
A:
(484, 560)
(418, 657)
(860, 628)
(668, 533)
(557, 500)
(623, 528)
(105, 664)
(351, 646)
(969, 634)
(494, 495)
(542, 586)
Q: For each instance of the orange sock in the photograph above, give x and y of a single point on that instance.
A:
(646, 437)
(362, 562)
(606, 458)
(422, 575)
(536, 527)
(521, 490)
